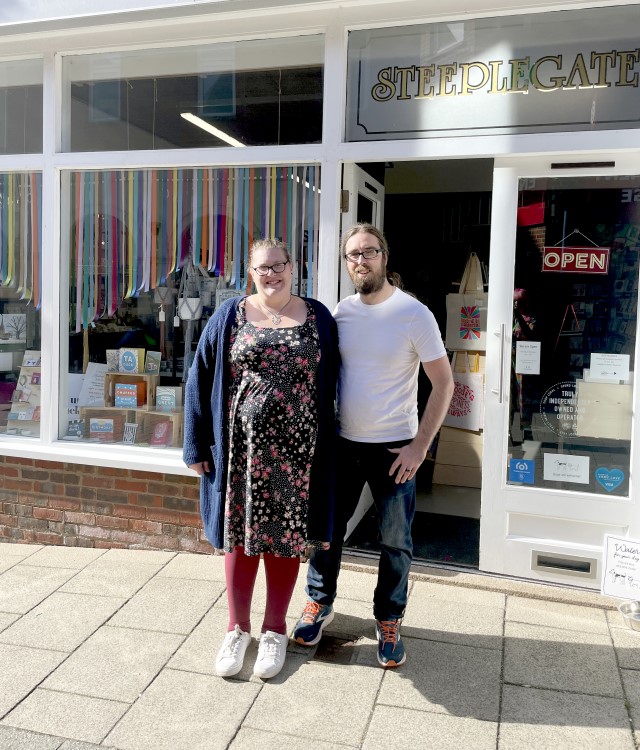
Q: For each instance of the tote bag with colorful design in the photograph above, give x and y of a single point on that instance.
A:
(467, 311)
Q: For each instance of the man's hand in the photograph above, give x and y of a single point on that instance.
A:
(200, 468)
(409, 460)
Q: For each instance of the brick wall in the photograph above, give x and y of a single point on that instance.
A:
(43, 502)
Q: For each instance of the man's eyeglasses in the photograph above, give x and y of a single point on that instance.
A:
(276, 268)
(369, 253)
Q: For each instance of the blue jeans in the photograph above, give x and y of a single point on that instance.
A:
(357, 464)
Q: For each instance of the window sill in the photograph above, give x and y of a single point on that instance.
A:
(136, 458)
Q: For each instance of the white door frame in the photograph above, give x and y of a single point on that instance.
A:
(504, 549)
(356, 182)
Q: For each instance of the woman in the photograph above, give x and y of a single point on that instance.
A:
(259, 430)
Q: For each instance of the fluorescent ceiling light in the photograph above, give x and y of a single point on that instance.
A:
(211, 129)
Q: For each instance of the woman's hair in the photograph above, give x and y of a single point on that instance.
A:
(266, 243)
(363, 227)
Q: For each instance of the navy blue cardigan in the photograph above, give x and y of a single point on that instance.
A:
(206, 421)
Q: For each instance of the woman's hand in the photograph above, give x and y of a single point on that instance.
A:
(200, 468)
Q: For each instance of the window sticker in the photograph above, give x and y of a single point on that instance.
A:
(522, 470)
(560, 467)
(609, 478)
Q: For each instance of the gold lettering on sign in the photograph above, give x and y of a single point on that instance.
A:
(579, 69)
(519, 68)
(599, 62)
(466, 87)
(515, 76)
(385, 89)
(425, 73)
(627, 60)
(535, 80)
(404, 74)
(497, 87)
(446, 75)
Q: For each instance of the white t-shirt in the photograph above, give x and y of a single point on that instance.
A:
(382, 347)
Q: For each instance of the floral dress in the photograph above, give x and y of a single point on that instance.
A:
(272, 436)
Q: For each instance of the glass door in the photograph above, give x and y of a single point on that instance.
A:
(559, 453)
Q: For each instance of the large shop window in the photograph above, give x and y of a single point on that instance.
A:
(261, 92)
(152, 253)
(20, 288)
(21, 107)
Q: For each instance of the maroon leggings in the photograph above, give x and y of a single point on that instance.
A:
(241, 571)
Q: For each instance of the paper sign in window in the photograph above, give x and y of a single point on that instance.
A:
(559, 467)
(528, 357)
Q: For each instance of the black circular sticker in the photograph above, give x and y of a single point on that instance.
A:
(559, 409)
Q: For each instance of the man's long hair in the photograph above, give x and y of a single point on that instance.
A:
(363, 227)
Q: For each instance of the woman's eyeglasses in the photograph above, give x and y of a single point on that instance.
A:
(276, 268)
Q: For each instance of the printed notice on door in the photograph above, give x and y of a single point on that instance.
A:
(621, 569)
(559, 467)
(609, 367)
(528, 357)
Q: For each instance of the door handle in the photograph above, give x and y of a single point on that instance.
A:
(500, 389)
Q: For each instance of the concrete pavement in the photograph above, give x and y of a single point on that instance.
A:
(116, 649)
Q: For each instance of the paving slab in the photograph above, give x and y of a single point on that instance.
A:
(114, 663)
(6, 620)
(185, 711)
(460, 594)
(111, 578)
(319, 700)
(61, 622)
(73, 745)
(556, 615)
(22, 669)
(8, 561)
(168, 605)
(476, 621)
(198, 567)
(75, 717)
(445, 678)
(19, 550)
(18, 739)
(352, 619)
(631, 683)
(253, 739)
(65, 557)
(557, 659)
(24, 587)
(404, 729)
(141, 556)
(198, 651)
(625, 641)
(351, 585)
(535, 719)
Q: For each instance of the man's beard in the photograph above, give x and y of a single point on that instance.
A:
(371, 283)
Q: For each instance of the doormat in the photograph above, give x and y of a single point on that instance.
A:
(436, 538)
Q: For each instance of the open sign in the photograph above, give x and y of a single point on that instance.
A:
(576, 259)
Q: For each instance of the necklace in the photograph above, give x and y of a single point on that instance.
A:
(275, 315)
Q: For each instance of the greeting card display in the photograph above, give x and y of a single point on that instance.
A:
(131, 360)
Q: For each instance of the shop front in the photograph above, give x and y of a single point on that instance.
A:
(144, 151)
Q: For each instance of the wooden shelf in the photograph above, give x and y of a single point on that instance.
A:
(147, 387)
(148, 422)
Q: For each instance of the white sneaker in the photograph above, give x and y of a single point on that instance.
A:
(231, 654)
(272, 651)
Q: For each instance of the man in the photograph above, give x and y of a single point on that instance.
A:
(384, 335)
